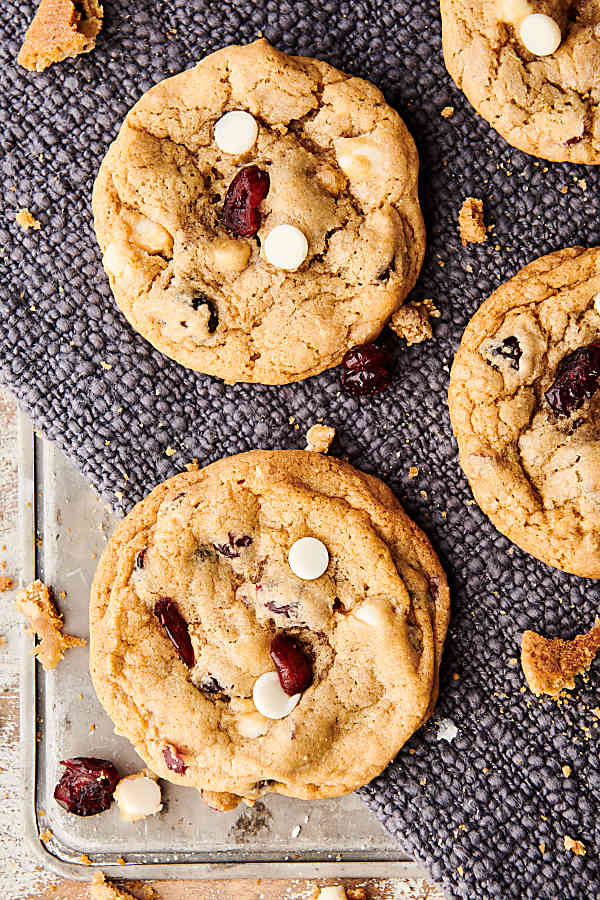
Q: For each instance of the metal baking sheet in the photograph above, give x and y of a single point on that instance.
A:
(65, 527)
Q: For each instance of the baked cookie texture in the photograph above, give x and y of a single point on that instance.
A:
(343, 168)
(545, 105)
(60, 29)
(216, 542)
(535, 473)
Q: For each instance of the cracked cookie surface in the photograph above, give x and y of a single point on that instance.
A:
(342, 168)
(545, 105)
(216, 542)
(534, 468)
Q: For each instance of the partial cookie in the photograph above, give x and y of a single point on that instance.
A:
(531, 70)
(258, 215)
(59, 30)
(551, 664)
(525, 408)
(36, 603)
(273, 622)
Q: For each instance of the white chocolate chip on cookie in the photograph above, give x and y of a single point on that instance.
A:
(540, 34)
(251, 725)
(308, 558)
(149, 235)
(285, 247)
(117, 260)
(358, 158)
(597, 302)
(270, 699)
(514, 11)
(236, 132)
(368, 613)
(229, 255)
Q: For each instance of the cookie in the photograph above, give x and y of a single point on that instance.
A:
(59, 30)
(258, 215)
(525, 408)
(530, 69)
(273, 622)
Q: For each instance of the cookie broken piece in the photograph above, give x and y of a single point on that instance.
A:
(101, 889)
(412, 321)
(470, 222)
(60, 29)
(550, 664)
(220, 800)
(26, 220)
(319, 438)
(36, 604)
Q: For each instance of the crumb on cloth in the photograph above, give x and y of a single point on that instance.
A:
(576, 846)
(36, 604)
(319, 438)
(26, 220)
(471, 223)
(60, 29)
(447, 112)
(412, 321)
(550, 664)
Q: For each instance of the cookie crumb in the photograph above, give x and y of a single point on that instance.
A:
(170, 451)
(6, 583)
(542, 847)
(60, 29)
(332, 892)
(576, 846)
(36, 604)
(101, 889)
(447, 112)
(550, 664)
(85, 860)
(319, 438)
(447, 730)
(220, 800)
(413, 472)
(566, 770)
(45, 835)
(26, 220)
(412, 321)
(470, 222)
(192, 466)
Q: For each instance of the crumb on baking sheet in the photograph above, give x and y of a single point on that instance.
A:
(550, 664)
(60, 29)
(470, 222)
(6, 583)
(101, 889)
(36, 604)
(220, 800)
(576, 846)
(412, 321)
(26, 220)
(319, 438)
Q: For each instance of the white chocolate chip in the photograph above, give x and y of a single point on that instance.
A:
(308, 558)
(597, 302)
(514, 11)
(236, 132)
(117, 261)
(251, 725)
(285, 247)
(270, 699)
(368, 613)
(229, 255)
(138, 796)
(358, 158)
(332, 892)
(149, 236)
(540, 34)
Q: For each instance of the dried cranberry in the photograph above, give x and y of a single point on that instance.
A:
(172, 621)
(509, 349)
(365, 370)
(577, 379)
(286, 609)
(140, 560)
(246, 192)
(202, 299)
(231, 550)
(174, 760)
(293, 668)
(434, 587)
(88, 785)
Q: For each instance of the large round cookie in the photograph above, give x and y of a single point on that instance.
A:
(545, 105)
(342, 168)
(216, 542)
(525, 408)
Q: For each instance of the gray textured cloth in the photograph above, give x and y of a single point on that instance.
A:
(474, 810)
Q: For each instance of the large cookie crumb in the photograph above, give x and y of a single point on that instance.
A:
(550, 664)
(319, 438)
(470, 222)
(412, 321)
(220, 800)
(26, 220)
(60, 29)
(101, 889)
(576, 846)
(36, 605)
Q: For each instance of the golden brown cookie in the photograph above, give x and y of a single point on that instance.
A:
(531, 69)
(195, 607)
(262, 246)
(525, 408)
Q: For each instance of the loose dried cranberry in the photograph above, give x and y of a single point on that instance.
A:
(88, 785)
(202, 299)
(172, 621)
(293, 668)
(140, 560)
(365, 370)
(577, 379)
(246, 192)
(509, 349)
(231, 550)
(174, 760)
